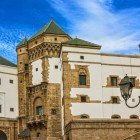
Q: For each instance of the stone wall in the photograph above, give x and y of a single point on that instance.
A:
(105, 129)
(9, 128)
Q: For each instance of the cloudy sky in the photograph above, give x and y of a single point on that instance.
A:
(114, 24)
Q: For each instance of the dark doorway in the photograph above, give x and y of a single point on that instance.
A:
(3, 136)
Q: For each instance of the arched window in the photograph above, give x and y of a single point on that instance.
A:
(38, 106)
(82, 77)
(84, 116)
(134, 117)
(115, 116)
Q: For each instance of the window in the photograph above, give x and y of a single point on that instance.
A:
(84, 116)
(132, 79)
(82, 79)
(0, 108)
(36, 69)
(11, 81)
(56, 66)
(55, 38)
(39, 110)
(83, 99)
(0, 81)
(115, 116)
(53, 111)
(81, 57)
(114, 100)
(113, 81)
(134, 117)
(12, 109)
(26, 67)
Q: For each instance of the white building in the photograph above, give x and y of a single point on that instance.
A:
(65, 79)
(102, 97)
(8, 89)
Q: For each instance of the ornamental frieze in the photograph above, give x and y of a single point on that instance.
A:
(44, 49)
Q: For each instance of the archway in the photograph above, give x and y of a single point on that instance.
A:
(3, 135)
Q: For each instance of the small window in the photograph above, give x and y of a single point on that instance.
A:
(39, 110)
(55, 38)
(84, 116)
(56, 66)
(53, 111)
(82, 79)
(82, 57)
(133, 80)
(38, 134)
(83, 99)
(0, 108)
(20, 50)
(115, 100)
(113, 81)
(134, 117)
(0, 81)
(115, 116)
(36, 69)
(21, 81)
(26, 67)
(12, 109)
(11, 81)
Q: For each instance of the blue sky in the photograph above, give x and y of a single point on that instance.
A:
(114, 24)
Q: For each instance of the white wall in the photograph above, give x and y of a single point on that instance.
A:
(8, 91)
(55, 75)
(37, 74)
(100, 67)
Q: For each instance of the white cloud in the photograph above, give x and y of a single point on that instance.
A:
(95, 21)
(9, 38)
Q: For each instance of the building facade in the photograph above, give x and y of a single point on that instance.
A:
(8, 100)
(61, 79)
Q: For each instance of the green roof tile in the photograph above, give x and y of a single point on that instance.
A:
(6, 62)
(80, 42)
(51, 28)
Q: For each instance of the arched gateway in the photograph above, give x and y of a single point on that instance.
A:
(3, 135)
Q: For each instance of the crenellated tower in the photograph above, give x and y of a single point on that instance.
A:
(40, 78)
(22, 63)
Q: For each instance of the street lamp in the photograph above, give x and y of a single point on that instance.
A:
(126, 87)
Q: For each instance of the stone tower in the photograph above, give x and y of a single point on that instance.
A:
(22, 63)
(39, 90)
